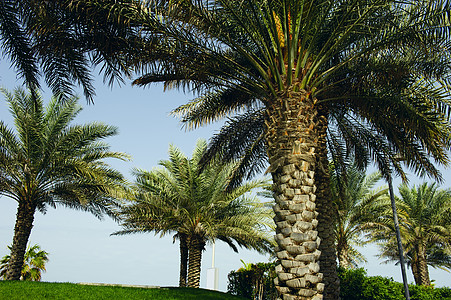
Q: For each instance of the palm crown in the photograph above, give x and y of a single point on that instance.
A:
(34, 263)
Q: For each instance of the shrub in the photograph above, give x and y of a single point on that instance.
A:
(254, 281)
(382, 288)
(355, 284)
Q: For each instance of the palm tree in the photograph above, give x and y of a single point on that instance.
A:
(34, 263)
(193, 203)
(292, 72)
(46, 162)
(63, 40)
(425, 226)
(356, 203)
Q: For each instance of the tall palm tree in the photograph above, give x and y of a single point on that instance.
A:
(192, 202)
(63, 40)
(425, 226)
(289, 71)
(357, 203)
(46, 162)
(34, 263)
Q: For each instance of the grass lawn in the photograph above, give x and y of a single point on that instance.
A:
(46, 290)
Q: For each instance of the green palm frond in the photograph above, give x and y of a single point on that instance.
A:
(355, 57)
(61, 41)
(182, 197)
(16, 43)
(34, 263)
(358, 206)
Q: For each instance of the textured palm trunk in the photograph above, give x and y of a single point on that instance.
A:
(183, 259)
(327, 214)
(22, 230)
(343, 257)
(196, 246)
(423, 272)
(292, 138)
(415, 273)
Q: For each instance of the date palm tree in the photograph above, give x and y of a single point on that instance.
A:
(292, 72)
(46, 162)
(357, 203)
(425, 226)
(194, 204)
(34, 263)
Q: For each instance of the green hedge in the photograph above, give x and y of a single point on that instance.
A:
(355, 285)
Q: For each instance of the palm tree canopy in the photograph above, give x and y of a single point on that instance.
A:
(354, 57)
(46, 161)
(179, 197)
(425, 225)
(64, 40)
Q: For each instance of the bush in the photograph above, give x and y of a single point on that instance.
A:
(382, 288)
(355, 284)
(254, 281)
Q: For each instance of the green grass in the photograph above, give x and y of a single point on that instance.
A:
(20, 290)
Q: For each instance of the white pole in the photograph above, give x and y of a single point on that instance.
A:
(213, 273)
(213, 256)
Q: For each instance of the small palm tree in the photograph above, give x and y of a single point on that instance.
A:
(425, 225)
(34, 263)
(357, 204)
(193, 203)
(47, 162)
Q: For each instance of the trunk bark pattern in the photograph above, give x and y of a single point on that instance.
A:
(183, 259)
(327, 214)
(343, 257)
(292, 140)
(423, 272)
(415, 272)
(22, 231)
(196, 246)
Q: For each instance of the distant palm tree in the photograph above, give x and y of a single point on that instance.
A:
(425, 225)
(357, 204)
(183, 198)
(34, 263)
(46, 162)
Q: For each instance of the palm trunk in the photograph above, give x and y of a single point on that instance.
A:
(327, 215)
(292, 138)
(423, 271)
(183, 259)
(415, 273)
(196, 246)
(22, 231)
(343, 257)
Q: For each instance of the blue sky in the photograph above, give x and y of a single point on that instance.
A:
(80, 246)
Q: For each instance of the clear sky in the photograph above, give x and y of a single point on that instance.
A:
(80, 246)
